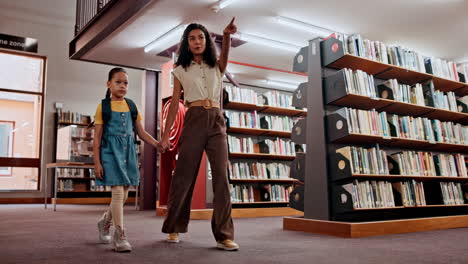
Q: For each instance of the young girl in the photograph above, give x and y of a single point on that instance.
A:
(115, 156)
(199, 74)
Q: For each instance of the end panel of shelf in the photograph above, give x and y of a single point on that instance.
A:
(298, 167)
(296, 198)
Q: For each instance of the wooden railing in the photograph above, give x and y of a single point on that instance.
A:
(87, 10)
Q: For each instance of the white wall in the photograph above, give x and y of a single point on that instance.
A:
(78, 85)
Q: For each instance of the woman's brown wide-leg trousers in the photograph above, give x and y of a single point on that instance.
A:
(204, 130)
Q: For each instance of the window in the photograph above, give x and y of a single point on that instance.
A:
(21, 114)
(6, 144)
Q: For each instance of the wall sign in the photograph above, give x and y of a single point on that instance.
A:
(18, 43)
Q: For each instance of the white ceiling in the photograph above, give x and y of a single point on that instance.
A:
(433, 27)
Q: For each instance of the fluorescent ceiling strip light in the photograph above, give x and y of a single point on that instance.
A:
(322, 32)
(267, 42)
(221, 4)
(170, 35)
(289, 86)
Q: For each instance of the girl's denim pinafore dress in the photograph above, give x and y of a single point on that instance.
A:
(118, 152)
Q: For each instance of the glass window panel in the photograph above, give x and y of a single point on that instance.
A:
(6, 139)
(19, 179)
(24, 111)
(20, 72)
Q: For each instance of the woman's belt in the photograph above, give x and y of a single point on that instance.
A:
(206, 103)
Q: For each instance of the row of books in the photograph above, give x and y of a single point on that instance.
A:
(277, 123)
(446, 101)
(277, 99)
(71, 172)
(258, 170)
(366, 160)
(424, 94)
(65, 186)
(240, 144)
(463, 69)
(237, 94)
(379, 194)
(421, 128)
(441, 68)
(367, 122)
(95, 188)
(452, 193)
(253, 120)
(271, 98)
(371, 122)
(247, 193)
(373, 160)
(68, 185)
(430, 164)
(243, 119)
(397, 55)
(81, 132)
(359, 82)
(278, 146)
(412, 94)
(72, 117)
(371, 194)
(412, 193)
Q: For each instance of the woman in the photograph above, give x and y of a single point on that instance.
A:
(199, 74)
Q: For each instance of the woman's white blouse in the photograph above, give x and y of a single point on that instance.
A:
(200, 81)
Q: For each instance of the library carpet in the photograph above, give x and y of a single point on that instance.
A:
(30, 234)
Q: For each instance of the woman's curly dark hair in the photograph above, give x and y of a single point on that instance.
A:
(185, 56)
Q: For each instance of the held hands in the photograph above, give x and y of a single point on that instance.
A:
(98, 171)
(231, 28)
(164, 145)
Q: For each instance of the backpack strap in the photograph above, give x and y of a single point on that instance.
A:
(106, 110)
(134, 114)
(133, 109)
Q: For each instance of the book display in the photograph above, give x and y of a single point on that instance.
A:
(389, 137)
(260, 121)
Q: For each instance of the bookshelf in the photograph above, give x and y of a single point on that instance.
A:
(265, 109)
(336, 192)
(258, 132)
(259, 156)
(387, 71)
(254, 183)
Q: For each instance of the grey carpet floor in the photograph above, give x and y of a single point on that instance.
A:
(30, 234)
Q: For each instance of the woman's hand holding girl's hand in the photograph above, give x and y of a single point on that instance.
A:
(164, 145)
(157, 145)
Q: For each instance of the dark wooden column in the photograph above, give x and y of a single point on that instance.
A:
(149, 172)
(316, 204)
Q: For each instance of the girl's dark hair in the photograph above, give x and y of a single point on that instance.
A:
(185, 55)
(111, 74)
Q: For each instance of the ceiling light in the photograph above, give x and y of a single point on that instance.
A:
(267, 42)
(221, 4)
(287, 85)
(320, 31)
(167, 39)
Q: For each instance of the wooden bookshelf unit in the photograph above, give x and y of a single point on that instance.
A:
(333, 199)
